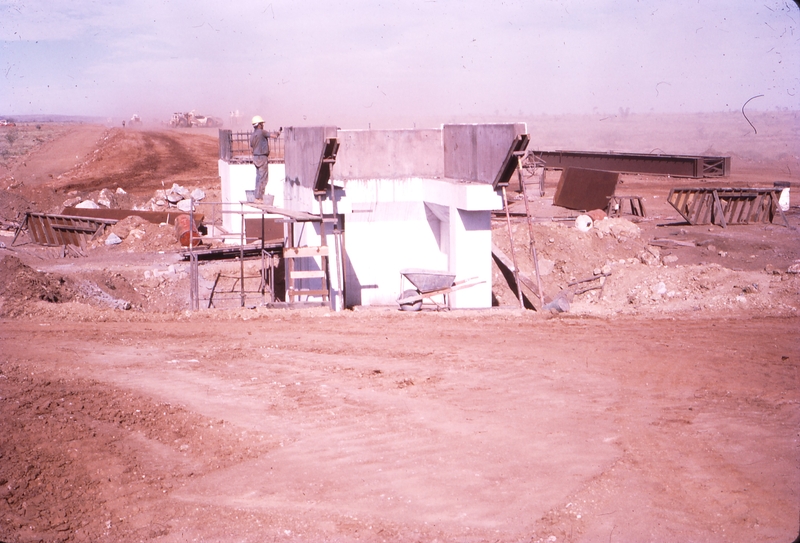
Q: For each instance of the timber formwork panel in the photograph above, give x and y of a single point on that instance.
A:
(726, 206)
(60, 230)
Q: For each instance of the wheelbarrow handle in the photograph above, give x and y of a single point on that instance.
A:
(458, 285)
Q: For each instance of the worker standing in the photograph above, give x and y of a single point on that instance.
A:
(259, 143)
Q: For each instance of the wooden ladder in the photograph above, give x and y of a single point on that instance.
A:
(291, 254)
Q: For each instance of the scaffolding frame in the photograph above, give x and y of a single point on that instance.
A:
(268, 254)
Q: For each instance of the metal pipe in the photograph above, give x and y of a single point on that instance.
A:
(530, 232)
(513, 257)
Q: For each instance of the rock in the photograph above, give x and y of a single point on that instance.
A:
(107, 199)
(648, 258)
(198, 194)
(120, 191)
(72, 201)
(87, 204)
(185, 205)
(174, 197)
(561, 303)
(183, 191)
(597, 214)
(794, 268)
(668, 259)
(137, 233)
(619, 228)
(658, 291)
(113, 239)
(546, 267)
(121, 230)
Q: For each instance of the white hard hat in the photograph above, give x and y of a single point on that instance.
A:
(257, 120)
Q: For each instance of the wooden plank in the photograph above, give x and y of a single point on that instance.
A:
(695, 212)
(49, 234)
(747, 210)
(304, 252)
(34, 228)
(718, 207)
(296, 292)
(299, 216)
(708, 209)
(762, 208)
(505, 261)
(75, 228)
(693, 206)
(736, 210)
(308, 274)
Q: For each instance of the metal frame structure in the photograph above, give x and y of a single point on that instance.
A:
(267, 253)
(234, 147)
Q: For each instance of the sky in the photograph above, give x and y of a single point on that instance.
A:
(396, 64)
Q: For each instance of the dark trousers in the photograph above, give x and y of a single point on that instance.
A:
(262, 174)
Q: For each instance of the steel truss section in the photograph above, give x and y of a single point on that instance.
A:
(674, 165)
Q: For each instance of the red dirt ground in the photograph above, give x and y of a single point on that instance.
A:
(636, 416)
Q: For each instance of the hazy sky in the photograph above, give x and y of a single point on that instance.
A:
(396, 63)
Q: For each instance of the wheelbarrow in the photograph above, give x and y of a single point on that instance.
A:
(429, 284)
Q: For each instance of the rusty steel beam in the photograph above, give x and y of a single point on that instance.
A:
(674, 165)
(154, 217)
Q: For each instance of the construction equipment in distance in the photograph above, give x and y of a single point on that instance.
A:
(192, 119)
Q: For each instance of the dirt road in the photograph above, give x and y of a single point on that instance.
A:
(383, 426)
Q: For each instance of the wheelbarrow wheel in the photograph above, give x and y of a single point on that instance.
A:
(410, 306)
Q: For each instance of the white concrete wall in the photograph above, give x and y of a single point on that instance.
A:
(382, 241)
(395, 224)
(235, 179)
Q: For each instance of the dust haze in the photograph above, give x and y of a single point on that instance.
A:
(412, 64)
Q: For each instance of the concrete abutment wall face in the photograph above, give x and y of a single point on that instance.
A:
(389, 154)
